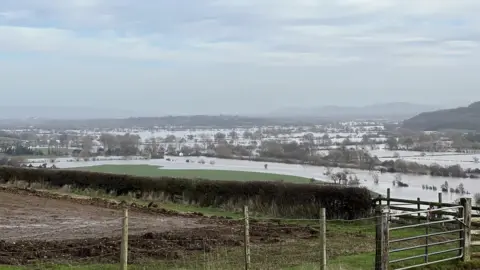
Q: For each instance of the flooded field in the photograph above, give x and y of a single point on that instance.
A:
(414, 190)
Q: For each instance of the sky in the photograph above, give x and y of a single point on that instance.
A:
(160, 57)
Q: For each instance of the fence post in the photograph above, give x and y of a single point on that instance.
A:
(440, 201)
(466, 233)
(124, 245)
(381, 239)
(388, 198)
(323, 240)
(246, 237)
(419, 209)
(427, 232)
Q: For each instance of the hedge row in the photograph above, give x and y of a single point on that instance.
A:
(279, 198)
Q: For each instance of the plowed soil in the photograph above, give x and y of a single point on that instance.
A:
(38, 226)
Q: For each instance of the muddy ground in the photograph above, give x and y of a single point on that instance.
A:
(23, 216)
(48, 227)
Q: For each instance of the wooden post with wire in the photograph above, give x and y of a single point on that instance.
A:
(124, 245)
(323, 240)
(466, 232)
(246, 237)
(419, 216)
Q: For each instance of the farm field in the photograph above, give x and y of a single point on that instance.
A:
(42, 230)
(156, 171)
(54, 231)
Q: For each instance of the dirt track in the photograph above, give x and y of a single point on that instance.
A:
(39, 226)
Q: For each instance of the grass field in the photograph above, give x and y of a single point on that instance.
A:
(156, 171)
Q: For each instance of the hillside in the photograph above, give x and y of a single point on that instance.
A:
(461, 118)
(194, 121)
(391, 111)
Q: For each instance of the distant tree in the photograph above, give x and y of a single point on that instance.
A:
(129, 144)
(309, 138)
(233, 135)
(392, 143)
(335, 155)
(27, 136)
(257, 135)
(197, 149)
(87, 144)
(170, 139)
(398, 178)
(171, 150)
(326, 139)
(219, 137)
(444, 186)
(365, 140)
(187, 151)
(376, 178)
(476, 199)
(108, 140)
(223, 150)
(247, 135)
(408, 143)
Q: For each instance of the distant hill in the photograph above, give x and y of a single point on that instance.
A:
(391, 111)
(195, 121)
(461, 118)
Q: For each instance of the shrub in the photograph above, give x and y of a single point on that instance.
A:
(278, 198)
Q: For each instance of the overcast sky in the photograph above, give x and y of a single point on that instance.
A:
(237, 56)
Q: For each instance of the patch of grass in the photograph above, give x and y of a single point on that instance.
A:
(156, 171)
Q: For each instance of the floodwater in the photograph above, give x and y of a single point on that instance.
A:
(414, 190)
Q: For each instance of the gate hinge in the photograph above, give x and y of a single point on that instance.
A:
(463, 223)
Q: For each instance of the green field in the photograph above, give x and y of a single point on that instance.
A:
(156, 171)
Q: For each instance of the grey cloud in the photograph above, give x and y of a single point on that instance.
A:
(249, 55)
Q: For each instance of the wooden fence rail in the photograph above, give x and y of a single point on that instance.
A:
(475, 221)
(390, 202)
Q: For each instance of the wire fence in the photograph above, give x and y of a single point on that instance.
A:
(259, 243)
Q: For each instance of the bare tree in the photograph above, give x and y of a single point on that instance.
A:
(222, 150)
(170, 139)
(234, 136)
(219, 137)
(87, 144)
(376, 178)
(108, 140)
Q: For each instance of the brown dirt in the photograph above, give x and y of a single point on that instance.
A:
(39, 226)
(25, 216)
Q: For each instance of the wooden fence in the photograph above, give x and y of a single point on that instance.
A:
(402, 205)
